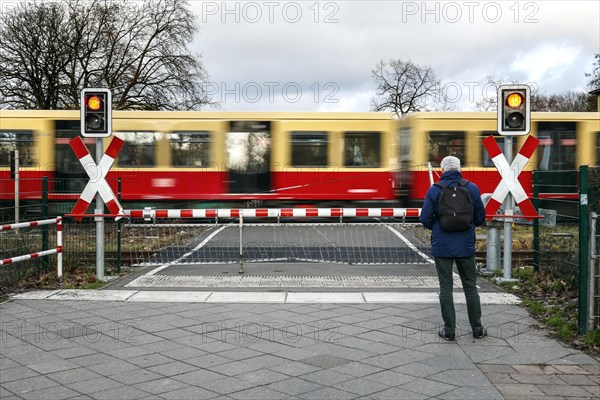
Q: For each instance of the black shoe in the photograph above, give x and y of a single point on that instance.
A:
(480, 334)
(446, 336)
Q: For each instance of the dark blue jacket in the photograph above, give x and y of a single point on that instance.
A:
(451, 244)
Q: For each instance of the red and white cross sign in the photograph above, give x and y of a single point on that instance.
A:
(509, 173)
(97, 174)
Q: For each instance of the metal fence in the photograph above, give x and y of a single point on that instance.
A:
(593, 249)
(42, 199)
(594, 268)
(556, 241)
(568, 249)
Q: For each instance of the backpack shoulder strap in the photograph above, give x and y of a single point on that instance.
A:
(441, 184)
(463, 182)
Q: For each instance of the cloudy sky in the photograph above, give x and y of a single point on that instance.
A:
(318, 56)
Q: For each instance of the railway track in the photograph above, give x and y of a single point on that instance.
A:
(519, 257)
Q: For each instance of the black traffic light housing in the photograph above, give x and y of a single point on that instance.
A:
(96, 112)
(514, 110)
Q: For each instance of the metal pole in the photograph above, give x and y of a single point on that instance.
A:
(241, 244)
(430, 174)
(536, 222)
(45, 216)
(584, 219)
(492, 261)
(17, 206)
(119, 230)
(508, 210)
(99, 220)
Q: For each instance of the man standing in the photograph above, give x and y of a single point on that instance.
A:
(453, 240)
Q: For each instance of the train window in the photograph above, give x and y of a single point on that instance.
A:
(309, 149)
(486, 161)
(446, 143)
(190, 149)
(139, 148)
(69, 174)
(16, 140)
(404, 141)
(362, 149)
(557, 148)
(598, 148)
(248, 146)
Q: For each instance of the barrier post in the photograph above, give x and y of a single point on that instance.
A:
(45, 216)
(536, 222)
(59, 247)
(241, 244)
(119, 230)
(17, 183)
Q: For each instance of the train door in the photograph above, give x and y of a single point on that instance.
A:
(248, 156)
(70, 175)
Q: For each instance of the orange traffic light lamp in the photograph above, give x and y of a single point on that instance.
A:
(514, 110)
(96, 112)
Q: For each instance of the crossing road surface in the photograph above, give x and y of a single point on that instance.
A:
(314, 257)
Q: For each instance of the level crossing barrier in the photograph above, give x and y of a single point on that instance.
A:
(34, 224)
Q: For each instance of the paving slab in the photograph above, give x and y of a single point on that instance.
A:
(319, 346)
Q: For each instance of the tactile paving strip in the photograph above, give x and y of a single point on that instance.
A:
(286, 281)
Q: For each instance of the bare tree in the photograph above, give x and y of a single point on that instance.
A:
(50, 51)
(567, 101)
(594, 83)
(570, 101)
(489, 97)
(404, 87)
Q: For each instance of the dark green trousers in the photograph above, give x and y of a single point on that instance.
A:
(468, 276)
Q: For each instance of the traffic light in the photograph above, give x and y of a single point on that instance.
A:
(96, 112)
(514, 116)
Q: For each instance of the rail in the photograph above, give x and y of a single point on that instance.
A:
(34, 224)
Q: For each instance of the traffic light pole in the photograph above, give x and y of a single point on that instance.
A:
(99, 218)
(508, 210)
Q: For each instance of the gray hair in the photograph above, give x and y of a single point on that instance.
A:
(450, 163)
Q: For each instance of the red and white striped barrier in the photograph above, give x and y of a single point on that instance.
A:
(509, 173)
(97, 174)
(58, 250)
(31, 224)
(276, 213)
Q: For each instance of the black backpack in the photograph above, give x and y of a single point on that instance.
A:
(455, 208)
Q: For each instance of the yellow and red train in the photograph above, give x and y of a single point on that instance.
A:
(305, 158)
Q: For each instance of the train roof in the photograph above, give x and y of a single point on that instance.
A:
(544, 116)
(220, 115)
(258, 116)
